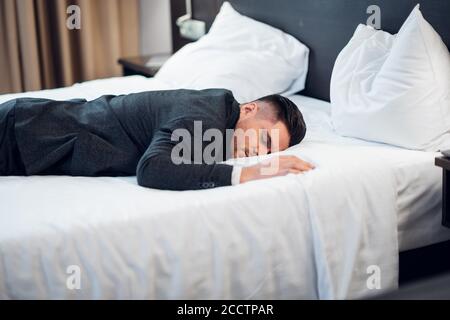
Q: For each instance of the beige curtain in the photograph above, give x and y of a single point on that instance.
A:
(38, 50)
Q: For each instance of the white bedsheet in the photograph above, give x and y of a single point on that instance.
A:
(418, 180)
(306, 236)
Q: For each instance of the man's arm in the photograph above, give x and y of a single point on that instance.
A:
(158, 169)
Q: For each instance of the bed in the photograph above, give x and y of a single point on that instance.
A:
(320, 235)
(309, 236)
(326, 27)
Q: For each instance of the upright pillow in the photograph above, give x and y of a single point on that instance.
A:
(248, 57)
(394, 89)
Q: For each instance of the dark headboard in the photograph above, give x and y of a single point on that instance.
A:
(325, 26)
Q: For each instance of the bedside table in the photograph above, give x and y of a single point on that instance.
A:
(139, 65)
(444, 163)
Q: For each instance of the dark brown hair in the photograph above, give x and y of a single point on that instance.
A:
(287, 112)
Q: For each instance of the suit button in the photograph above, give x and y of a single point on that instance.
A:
(208, 185)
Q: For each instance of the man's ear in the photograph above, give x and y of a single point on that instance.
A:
(249, 109)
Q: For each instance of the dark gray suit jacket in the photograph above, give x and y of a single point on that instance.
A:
(121, 136)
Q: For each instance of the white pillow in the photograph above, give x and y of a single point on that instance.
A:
(394, 89)
(248, 57)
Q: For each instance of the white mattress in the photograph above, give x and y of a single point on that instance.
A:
(418, 180)
(306, 236)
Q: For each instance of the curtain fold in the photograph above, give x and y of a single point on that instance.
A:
(38, 51)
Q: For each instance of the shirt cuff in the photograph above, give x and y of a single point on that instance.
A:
(236, 175)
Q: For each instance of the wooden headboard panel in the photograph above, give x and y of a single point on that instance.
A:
(325, 26)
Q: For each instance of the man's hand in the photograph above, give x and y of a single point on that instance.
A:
(274, 167)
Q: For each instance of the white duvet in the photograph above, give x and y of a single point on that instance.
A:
(310, 236)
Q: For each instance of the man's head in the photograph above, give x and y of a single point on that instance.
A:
(270, 124)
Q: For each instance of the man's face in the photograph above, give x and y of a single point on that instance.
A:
(257, 132)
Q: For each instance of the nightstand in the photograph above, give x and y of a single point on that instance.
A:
(146, 66)
(444, 163)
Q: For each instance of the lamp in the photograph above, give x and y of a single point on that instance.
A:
(190, 28)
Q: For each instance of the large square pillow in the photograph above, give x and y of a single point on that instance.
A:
(250, 58)
(394, 89)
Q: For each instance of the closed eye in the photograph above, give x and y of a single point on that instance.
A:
(266, 140)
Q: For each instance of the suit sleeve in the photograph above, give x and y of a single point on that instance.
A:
(158, 169)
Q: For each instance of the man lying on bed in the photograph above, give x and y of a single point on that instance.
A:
(143, 134)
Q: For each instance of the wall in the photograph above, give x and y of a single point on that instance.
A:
(156, 30)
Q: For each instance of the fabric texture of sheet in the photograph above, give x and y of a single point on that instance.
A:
(315, 235)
